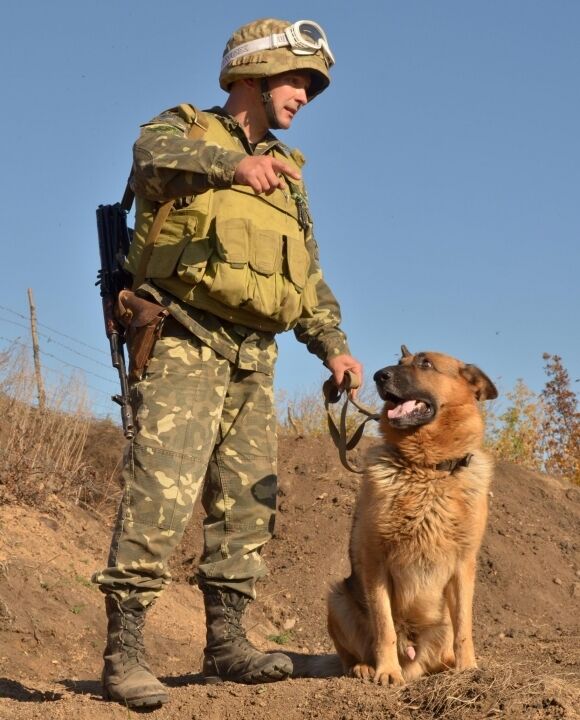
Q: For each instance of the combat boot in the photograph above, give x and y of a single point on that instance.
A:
(228, 654)
(127, 678)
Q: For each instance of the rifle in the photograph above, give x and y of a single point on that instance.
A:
(114, 240)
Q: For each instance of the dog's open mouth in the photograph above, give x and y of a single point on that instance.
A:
(407, 412)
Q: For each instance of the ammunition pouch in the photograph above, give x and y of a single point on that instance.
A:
(143, 321)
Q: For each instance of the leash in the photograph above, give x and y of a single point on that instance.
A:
(339, 434)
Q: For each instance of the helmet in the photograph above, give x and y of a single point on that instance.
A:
(269, 47)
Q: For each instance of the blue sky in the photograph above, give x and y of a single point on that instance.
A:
(443, 170)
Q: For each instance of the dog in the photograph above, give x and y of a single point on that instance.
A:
(406, 608)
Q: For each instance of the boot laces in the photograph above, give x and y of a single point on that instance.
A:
(132, 636)
(233, 618)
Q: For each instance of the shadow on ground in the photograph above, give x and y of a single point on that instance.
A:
(14, 690)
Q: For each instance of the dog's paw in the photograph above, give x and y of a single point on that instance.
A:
(362, 671)
(385, 675)
(413, 671)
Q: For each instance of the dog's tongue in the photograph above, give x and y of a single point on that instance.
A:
(405, 408)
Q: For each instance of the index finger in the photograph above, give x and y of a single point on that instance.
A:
(284, 167)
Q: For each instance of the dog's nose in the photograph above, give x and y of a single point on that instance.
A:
(382, 375)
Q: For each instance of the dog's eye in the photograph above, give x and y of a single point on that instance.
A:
(425, 363)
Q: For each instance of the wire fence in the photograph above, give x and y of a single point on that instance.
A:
(64, 359)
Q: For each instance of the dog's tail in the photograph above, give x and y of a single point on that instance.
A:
(315, 666)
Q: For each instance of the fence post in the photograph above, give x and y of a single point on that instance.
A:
(36, 353)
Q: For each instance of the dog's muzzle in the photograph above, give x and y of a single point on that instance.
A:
(404, 405)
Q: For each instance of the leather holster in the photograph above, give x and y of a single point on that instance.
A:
(143, 321)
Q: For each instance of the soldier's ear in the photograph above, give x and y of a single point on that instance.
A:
(482, 386)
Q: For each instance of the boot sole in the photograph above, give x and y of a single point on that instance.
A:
(273, 675)
(146, 702)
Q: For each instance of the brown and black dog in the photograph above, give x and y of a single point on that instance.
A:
(406, 608)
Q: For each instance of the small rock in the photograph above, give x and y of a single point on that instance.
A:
(557, 581)
(49, 522)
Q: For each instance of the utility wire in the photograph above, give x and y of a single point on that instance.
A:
(64, 362)
(57, 342)
(54, 371)
(77, 367)
(58, 332)
(99, 408)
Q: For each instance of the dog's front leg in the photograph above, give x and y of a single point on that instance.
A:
(387, 667)
(461, 608)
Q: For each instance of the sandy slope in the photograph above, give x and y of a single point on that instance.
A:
(527, 610)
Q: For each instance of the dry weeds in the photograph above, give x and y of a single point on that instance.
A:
(496, 691)
(540, 432)
(41, 451)
(303, 413)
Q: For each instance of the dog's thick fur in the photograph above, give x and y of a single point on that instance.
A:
(406, 608)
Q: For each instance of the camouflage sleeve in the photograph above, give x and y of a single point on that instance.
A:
(321, 332)
(168, 165)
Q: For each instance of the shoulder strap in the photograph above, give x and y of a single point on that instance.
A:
(197, 130)
(128, 197)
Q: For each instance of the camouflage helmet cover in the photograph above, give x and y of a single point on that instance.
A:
(265, 63)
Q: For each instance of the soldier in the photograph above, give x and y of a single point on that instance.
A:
(235, 263)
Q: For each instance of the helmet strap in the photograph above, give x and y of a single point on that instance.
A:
(268, 104)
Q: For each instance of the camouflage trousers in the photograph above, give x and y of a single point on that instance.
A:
(202, 423)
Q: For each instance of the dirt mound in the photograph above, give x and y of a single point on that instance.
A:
(526, 609)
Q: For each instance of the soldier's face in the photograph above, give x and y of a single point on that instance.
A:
(289, 93)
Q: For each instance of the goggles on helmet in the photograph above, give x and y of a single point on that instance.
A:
(304, 37)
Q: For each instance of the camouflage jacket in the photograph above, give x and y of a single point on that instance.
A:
(166, 166)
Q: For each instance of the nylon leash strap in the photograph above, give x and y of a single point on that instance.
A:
(339, 434)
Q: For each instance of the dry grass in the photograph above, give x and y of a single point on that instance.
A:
(303, 414)
(499, 691)
(41, 451)
(103, 456)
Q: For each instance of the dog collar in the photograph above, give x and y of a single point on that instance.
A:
(452, 465)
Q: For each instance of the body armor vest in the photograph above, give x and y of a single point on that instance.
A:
(238, 255)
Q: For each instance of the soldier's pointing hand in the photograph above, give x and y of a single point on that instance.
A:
(264, 173)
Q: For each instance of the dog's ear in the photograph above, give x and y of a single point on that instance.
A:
(405, 352)
(483, 387)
